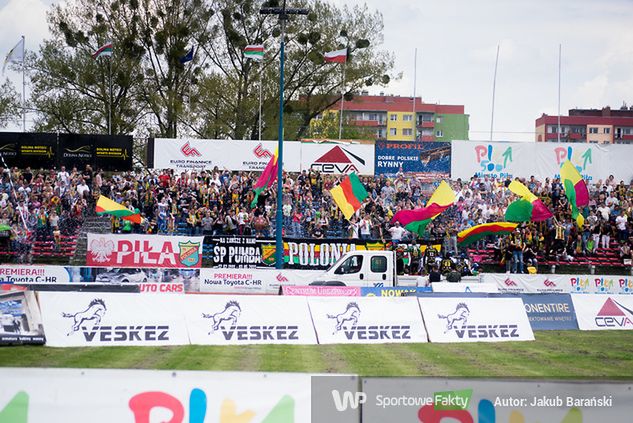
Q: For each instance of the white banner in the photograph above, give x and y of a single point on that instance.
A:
(224, 319)
(604, 312)
(475, 319)
(464, 287)
(151, 251)
(337, 159)
(143, 396)
(252, 281)
(367, 320)
(33, 274)
(539, 159)
(560, 284)
(73, 319)
(189, 153)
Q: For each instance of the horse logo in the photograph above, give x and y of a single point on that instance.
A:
(95, 311)
(231, 312)
(461, 313)
(350, 314)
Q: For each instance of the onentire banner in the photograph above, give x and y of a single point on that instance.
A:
(604, 312)
(466, 319)
(225, 320)
(426, 159)
(367, 320)
(79, 319)
(143, 396)
(550, 311)
(115, 250)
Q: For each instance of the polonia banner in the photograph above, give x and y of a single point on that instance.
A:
(337, 56)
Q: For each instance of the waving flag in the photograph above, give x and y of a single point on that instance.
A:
(528, 208)
(349, 195)
(107, 206)
(417, 220)
(255, 52)
(575, 190)
(15, 55)
(103, 51)
(337, 56)
(187, 57)
(470, 235)
(266, 179)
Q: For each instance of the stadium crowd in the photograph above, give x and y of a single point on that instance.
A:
(48, 204)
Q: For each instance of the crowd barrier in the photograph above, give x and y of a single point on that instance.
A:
(69, 395)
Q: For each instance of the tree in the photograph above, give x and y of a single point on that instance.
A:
(327, 127)
(9, 103)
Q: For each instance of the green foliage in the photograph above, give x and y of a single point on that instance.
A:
(10, 107)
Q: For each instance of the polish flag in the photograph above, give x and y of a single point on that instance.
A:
(338, 56)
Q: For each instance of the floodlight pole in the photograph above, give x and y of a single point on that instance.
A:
(283, 13)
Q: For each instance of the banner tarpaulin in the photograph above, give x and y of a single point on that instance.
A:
(143, 396)
(252, 281)
(20, 319)
(491, 159)
(467, 319)
(226, 319)
(74, 319)
(464, 287)
(604, 312)
(528, 284)
(196, 154)
(420, 158)
(396, 291)
(337, 159)
(130, 250)
(367, 320)
(550, 311)
(322, 291)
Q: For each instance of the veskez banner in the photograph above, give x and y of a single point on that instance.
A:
(467, 319)
(425, 159)
(337, 159)
(20, 320)
(130, 250)
(604, 312)
(195, 154)
(550, 311)
(225, 320)
(78, 319)
(367, 320)
(144, 396)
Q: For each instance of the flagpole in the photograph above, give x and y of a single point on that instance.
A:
(110, 95)
(415, 74)
(340, 119)
(23, 85)
(261, 82)
(494, 87)
(559, 60)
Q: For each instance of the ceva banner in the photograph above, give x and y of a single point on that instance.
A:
(195, 154)
(550, 311)
(143, 396)
(112, 250)
(420, 158)
(604, 312)
(468, 319)
(367, 320)
(81, 319)
(224, 320)
(337, 159)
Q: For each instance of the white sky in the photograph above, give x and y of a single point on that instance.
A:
(457, 41)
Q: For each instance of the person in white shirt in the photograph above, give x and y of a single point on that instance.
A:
(82, 189)
(604, 211)
(365, 227)
(396, 232)
(620, 223)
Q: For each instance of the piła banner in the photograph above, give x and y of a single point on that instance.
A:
(111, 250)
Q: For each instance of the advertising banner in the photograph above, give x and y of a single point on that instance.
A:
(604, 312)
(619, 161)
(114, 250)
(162, 288)
(464, 287)
(74, 319)
(396, 291)
(528, 284)
(445, 400)
(337, 159)
(591, 160)
(251, 281)
(20, 319)
(322, 291)
(224, 320)
(144, 396)
(426, 159)
(550, 311)
(367, 320)
(37, 150)
(105, 152)
(195, 154)
(468, 319)
(33, 274)
(491, 159)
(599, 284)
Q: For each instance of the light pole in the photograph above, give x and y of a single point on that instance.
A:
(283, 13)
